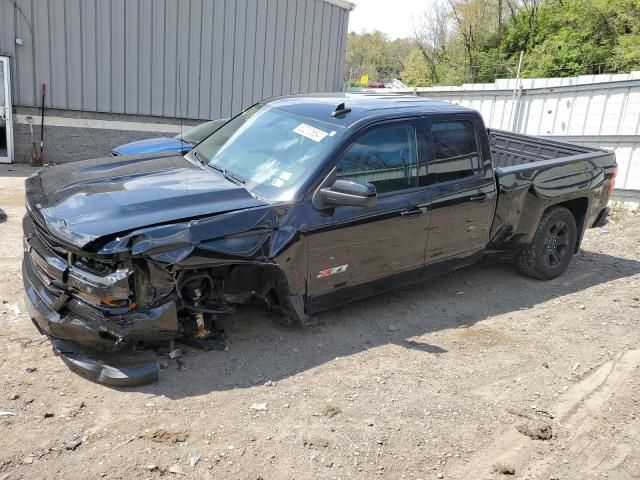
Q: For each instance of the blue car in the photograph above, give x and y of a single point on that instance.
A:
(171, 146)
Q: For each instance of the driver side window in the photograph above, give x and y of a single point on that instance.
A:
(385, 156)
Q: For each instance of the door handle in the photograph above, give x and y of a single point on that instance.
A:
(411, 213)
(478, 198)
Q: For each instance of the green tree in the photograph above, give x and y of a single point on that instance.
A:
(575, 37)
(416, 72)
(459, 41)
(475, 31)
(373, 54)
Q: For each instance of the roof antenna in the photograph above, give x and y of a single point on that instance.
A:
(340, 111)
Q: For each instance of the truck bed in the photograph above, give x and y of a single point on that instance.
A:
(535, 173)
(512, 149)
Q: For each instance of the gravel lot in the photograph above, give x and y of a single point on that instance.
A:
(448, 379)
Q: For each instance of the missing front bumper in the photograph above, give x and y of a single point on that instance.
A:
(87, 325)
(123, 373)
(97, 346)
(121, 369)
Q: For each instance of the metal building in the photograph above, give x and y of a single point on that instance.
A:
(114, 64)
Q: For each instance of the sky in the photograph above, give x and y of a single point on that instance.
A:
(393, 17)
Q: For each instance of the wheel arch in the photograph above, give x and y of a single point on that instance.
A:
(579, 208)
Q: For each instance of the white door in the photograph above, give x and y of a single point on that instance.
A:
(6, 121)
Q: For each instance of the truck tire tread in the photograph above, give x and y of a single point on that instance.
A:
(529, 260)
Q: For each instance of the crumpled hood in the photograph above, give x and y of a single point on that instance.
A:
(154, 145)
(82, 201)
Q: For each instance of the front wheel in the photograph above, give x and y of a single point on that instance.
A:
(550, 252)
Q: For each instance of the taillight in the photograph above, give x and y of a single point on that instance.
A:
(612, 182)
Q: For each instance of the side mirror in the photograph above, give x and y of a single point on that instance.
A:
(351, 193)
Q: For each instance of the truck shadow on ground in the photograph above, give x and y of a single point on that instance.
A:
(259, 350)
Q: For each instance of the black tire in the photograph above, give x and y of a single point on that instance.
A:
(286, 318)
(550, 252)
(285, 313)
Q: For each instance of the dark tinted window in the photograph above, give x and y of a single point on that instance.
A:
(385, 156)
(455, 151)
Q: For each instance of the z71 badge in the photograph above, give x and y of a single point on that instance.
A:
(332, 271)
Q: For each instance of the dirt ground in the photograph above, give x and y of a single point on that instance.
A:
(477, 374)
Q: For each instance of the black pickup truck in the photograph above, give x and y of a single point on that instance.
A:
(302, 203)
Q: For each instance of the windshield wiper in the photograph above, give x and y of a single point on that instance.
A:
(201, 160)
(216, 167)
(235, 178)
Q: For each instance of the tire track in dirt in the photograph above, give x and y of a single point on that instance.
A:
(580, 411)
(576, 414)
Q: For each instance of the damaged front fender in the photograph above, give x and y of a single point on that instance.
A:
(259, 236)
(174, 279)
(89, 326)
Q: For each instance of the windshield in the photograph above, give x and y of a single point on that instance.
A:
(269, 149)
(196, 134)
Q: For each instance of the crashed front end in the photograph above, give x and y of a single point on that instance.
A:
(105, 308)
(88, 308)
(124, 256)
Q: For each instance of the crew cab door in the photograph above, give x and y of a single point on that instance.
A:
(460, 175)
(351, 248)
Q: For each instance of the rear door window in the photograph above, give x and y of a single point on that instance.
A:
(454, 152)
(385, 156)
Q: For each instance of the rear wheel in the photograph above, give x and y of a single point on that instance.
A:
(549, 253)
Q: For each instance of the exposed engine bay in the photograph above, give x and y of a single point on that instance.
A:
(120, 298)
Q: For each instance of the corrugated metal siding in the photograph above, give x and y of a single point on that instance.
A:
(199, 59)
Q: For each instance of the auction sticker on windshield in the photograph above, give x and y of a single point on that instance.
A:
(310, 132)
